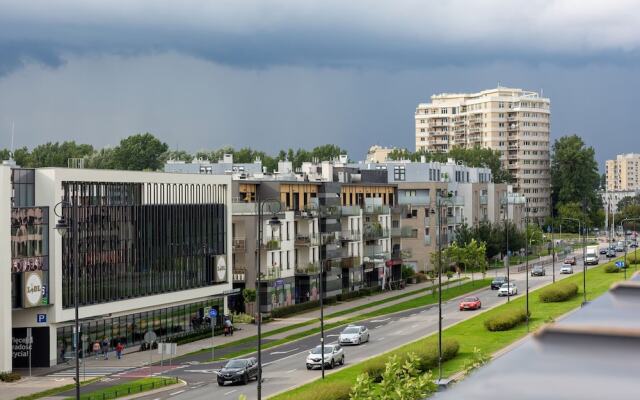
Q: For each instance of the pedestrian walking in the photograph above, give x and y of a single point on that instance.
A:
(119, 349)
(228, 326)
(96, 349)
(105, 348)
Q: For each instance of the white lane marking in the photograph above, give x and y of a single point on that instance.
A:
(202, 371)
(380, 320)
(332, 335)
(231, 391)
(178, 392)
(285, 352)
(414, 326)
(413, 315)
(380, 339)
(292, 371)
(379, 326)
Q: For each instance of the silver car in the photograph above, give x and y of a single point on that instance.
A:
(566, 269)
(354, 335)
(333, 355)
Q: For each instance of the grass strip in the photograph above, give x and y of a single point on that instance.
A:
(129, 388)
(54, 391)
(471, 333)
(447, 294)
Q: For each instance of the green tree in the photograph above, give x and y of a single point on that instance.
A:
(175, 155)
(139, 152)
(574, 174)
(627, 201)
(101, 159)
(57, 155)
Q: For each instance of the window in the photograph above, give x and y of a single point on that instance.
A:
(399, 173)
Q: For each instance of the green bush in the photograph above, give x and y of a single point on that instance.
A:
(506, 320)
(298, 308)
(426, 353)
(9, 376)
(611, 268)
(328, 391)
(558, 292)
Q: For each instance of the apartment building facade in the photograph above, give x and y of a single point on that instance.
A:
(623, 173)
(151, 251)
(514, 122)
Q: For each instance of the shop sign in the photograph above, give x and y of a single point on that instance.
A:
(221, 268)
(32, 294)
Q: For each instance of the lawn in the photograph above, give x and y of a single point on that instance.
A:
(405, 305)
(54, 391)
(472, 334)
(129, 388)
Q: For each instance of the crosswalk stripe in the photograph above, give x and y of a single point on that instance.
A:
(93, 371)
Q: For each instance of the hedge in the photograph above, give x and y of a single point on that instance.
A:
(298, 308)
(328, 391)
(558, 293)
(506, 320)
(428, 356)
(9, 376)
(611, 269)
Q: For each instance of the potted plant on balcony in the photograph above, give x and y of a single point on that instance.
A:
(273, 244)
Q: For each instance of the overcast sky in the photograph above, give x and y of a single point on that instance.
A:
(279, 74)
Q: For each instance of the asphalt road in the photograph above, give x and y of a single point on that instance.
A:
(284, 366)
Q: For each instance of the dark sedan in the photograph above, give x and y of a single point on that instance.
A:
(498, 282)
(238, 370)
(611, 253)
(538, 270)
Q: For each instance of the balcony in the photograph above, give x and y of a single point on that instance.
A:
(421, 199)
(454, 220)
(375, 210)
(238, 274)
(271, 244)
(408, 233)
(375, 254)
(239, 244)
(307, 213)
(484, 199)
(427, 240)
(330, 212)
(307, 240)
(272, 273)
(457, 201)
(372, 232)
(311, 268)
(350, 236)
(350, 211)
(350, 262)
(396, 232)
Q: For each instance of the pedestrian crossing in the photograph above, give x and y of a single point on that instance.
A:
(90, 371)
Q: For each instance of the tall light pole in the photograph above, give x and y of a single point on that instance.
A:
(320, 289)
(526, 252)
(625, 243)
(273, 222)
(62, 226)
(506, 234)
(440, 202)
(584, 264)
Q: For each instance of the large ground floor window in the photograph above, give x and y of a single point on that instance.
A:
(166, 323)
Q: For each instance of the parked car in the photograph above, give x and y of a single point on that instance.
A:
(354, 335)
(603, 250)
(619, 248)
(570, 260)
(470, 303)
(566, 269)
(508, 289)
(333, 355)
(538, 270)
(611, 253)
(498, 282)
(634, 245)
(238, 370)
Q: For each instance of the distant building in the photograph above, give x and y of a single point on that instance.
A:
(514, 122)
(378, 154)
(623, 173)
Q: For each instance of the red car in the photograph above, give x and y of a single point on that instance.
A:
(470, 303)
(570, 260)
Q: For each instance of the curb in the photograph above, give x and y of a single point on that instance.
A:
(163, 389)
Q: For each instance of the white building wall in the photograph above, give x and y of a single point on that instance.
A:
(5, 272)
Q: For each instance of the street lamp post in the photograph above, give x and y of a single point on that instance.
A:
(584, 263)
(506, 234)
(320, 289)
(526, 255)
(62, 226)
(273, 222)
(625, 243)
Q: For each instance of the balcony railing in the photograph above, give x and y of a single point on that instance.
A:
(350, 262)
(484, 200)
(427, 240)
(454, 220)
(239, 244)
(350, 236)
(308, 269)
(375, 254)
(330, 211)
(373, 210)
(307, 240)
(239, 274)
(408, 233)
(350, 211)
(271, 244)
(396, 232)
(372, 232)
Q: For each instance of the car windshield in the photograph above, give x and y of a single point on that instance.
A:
(236, 364)
(537, 268)
(470, 299)
(351, 330)
(318, 349)
(506, 285)
(500, 279)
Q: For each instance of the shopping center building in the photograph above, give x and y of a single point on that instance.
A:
(152, 251)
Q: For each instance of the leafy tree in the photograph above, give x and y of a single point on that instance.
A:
(139, 152)
(574, 174)
(176, 155)
(57, 155)
(101, 159)
(627, 201)
(400, 381)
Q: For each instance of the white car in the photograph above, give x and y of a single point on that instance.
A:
(508, 289)
(333, 355)
(566, 269)
(354, 335)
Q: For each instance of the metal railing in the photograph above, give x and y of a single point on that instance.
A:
(307, 240)
(271, 244)
(484, 199)
(239, 274)
(239, 243)
(350, 211)
(370, 209)
(308, 269)
(350, 236)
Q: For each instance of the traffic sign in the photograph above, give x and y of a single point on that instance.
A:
(213, 313)
(41, 318)
(620, 264)
(150, 337)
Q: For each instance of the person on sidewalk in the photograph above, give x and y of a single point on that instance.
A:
(105, 348)
(96, 349)
(119, 349)
(228, 326)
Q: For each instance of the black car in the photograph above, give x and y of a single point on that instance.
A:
(498, 282)
(538, 270)
(603, 250)
(238, 370)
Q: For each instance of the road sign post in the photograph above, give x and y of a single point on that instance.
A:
(213, 314)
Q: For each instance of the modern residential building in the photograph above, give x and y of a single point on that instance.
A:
(623, 173)
(377, 154)
(514, 122)
(151, 250)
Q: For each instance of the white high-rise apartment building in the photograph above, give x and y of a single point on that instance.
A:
(623, 173)
(514, 122)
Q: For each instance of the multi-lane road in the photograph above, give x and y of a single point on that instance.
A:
(284, 366)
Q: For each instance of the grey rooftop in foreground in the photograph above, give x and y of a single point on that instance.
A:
(592, 354)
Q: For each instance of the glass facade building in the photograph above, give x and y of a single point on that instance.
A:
(141, 239)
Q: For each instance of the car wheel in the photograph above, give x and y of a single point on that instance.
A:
(342, 361)
(333, 364)
(359, 341)
(220, 383)
(245, 379)
(308, 367)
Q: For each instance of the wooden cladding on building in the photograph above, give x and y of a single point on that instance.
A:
(247, 192)
(296, 196)
(355, 194)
